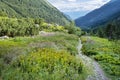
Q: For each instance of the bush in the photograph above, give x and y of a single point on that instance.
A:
(72, 29)
(25, 27)
(90, 53)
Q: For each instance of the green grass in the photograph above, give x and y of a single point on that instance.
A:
(64, 44)
(45, 64)
(106, 52)
(22, 45)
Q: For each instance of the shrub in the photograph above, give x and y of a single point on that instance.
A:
(25, 27)
(90, 53)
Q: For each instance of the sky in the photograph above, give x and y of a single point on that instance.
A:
(77, 8)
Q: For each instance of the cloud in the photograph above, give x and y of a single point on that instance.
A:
(72, 0)
(77, 5)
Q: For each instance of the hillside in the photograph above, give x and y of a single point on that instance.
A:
(33, 9)
(100, 16)
(110, 30)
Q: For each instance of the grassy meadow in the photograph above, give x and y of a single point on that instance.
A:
(105, 52)
(41, 58)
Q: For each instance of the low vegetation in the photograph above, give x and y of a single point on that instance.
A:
(40, 57)
(45, 64)
(106, 52)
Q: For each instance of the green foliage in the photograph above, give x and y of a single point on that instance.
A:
(108, 58)
(110, 63)
(26, 27)
(11, 49)
(72, 29)
(17, 27)
(3, 14)
(52, 28)
(90, 53)
(111, 30)
(106, 52)
(33, 9)
(45, 64)
(95, 45)
(116, 47)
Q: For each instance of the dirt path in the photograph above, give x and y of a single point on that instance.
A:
(93, 68)
(43, 33)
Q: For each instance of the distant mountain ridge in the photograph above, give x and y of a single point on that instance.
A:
(109, 11)
(112, 1)
(33, 9)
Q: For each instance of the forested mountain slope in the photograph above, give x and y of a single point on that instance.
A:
(111, 29)
(33, 9)
(100, 16)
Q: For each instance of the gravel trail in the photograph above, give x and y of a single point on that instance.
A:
(91, 65)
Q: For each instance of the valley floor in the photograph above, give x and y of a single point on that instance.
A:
(90, 50)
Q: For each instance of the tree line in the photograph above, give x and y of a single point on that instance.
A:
(28, 27)
(111, 30)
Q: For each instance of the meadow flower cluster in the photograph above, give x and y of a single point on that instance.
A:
(45, 64)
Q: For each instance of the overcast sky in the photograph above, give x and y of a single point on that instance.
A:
(76, 8)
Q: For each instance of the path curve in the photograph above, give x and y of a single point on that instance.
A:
(91, 65)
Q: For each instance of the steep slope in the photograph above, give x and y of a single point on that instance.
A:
(99, 16)
(33, 9)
